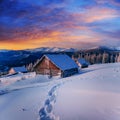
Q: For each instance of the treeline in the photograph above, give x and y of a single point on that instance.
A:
(95, 58)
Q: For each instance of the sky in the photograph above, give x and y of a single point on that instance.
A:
(59, 23)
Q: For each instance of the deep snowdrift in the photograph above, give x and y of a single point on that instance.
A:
(92, 95)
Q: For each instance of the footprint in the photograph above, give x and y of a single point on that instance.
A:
(23, 109)
(53, 98)
(42, 112)
(46, 118)
(47, 102)
(52, 91)
(46, 113)
(49, 108)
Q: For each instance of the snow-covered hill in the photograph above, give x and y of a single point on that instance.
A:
(93, 94)
(103, 48)
(115, 48)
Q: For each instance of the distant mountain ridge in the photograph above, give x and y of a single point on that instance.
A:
(56, 49)
(53, 49)
(23, 57)
(11, 58)
(104, 48)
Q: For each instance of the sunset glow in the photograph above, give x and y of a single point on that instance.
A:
(59, 23)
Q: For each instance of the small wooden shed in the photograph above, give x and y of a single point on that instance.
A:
(56, 64)
(14, 70)
(82, 63)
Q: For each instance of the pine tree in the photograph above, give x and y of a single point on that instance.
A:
(30, 67)
(118, 59)
(111, 58)
(99, 58)
(105, 58)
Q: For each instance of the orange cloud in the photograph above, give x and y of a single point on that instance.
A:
(53, 38)
(32, 41)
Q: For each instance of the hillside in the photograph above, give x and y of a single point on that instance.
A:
(93, 94)
(10, 58)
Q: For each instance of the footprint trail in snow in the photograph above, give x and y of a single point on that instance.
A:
(46, 112)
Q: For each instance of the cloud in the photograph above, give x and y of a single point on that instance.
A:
(110, 2)
(57, 23)
(111, 34)
(21, 21)
(96, 14)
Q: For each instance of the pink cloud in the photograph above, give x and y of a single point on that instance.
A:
(96, 14)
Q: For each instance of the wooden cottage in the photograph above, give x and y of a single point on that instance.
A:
(56, 64)
(82, 63)
(14, 70)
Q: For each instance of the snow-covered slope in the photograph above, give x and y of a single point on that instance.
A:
(103, 48)
(24, 96)
(115, 48)
(94, 94)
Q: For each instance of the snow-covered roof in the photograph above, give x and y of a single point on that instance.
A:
(62, 61)
(20, 69)
(82, 61)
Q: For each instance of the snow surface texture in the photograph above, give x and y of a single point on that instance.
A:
(46, 112)
(7, 80)
(92, 95)
(23, 98)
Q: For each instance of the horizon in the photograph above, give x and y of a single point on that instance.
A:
(76, 24)
(60, 48)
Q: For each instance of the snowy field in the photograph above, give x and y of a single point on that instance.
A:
(94, 94)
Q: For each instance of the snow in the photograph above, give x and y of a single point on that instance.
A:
(9, 79)
(52, 49)
(2, 50)
(94, 94)
(115, 48)
(82, 61)
(64, 62)
(22, 100)
(20, 69)
(118, 48)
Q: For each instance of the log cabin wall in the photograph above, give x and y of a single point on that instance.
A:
(46, 67)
